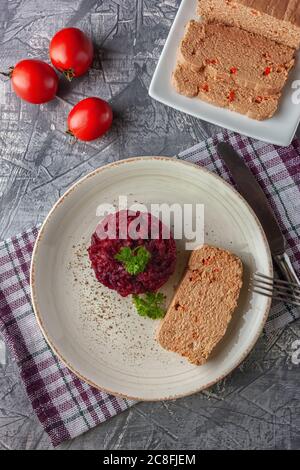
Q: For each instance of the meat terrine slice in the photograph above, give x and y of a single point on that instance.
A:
(221, 93)
(233, 54)
(203, 305)
(278, 20)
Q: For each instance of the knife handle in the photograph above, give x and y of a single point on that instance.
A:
(285, 266)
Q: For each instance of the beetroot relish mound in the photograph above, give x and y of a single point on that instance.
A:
(111, 273)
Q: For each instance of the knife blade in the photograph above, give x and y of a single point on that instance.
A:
(249, 188)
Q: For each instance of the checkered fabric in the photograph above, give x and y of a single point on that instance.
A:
(66, 406)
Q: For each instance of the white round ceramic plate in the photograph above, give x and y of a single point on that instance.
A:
(98, 334)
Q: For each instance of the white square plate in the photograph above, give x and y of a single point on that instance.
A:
(279, 130)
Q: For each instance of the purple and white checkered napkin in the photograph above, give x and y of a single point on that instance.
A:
(66, 406)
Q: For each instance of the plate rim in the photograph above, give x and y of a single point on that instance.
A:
(167, 101)
(39, 240)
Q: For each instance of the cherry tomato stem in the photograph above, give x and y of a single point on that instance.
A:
(7, 74)
(69, 74)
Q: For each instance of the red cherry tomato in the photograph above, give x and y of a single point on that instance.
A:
(90, 119)
(71, 52)
(34, 81)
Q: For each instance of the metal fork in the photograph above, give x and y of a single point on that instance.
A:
(278, 289)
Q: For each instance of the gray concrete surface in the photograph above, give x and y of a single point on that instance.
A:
(257, 406)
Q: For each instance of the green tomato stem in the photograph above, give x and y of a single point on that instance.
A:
(9, 73)
(69, 74)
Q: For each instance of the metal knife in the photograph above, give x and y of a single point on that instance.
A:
(254, 195)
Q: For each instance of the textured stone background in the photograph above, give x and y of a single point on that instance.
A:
(258, 406)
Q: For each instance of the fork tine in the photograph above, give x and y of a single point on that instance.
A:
(276, 288)
(273, 288)
(259, 276)
(288, 299)
(279, 292)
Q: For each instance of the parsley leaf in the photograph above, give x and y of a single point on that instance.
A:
(150, 305)
(134, 261)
